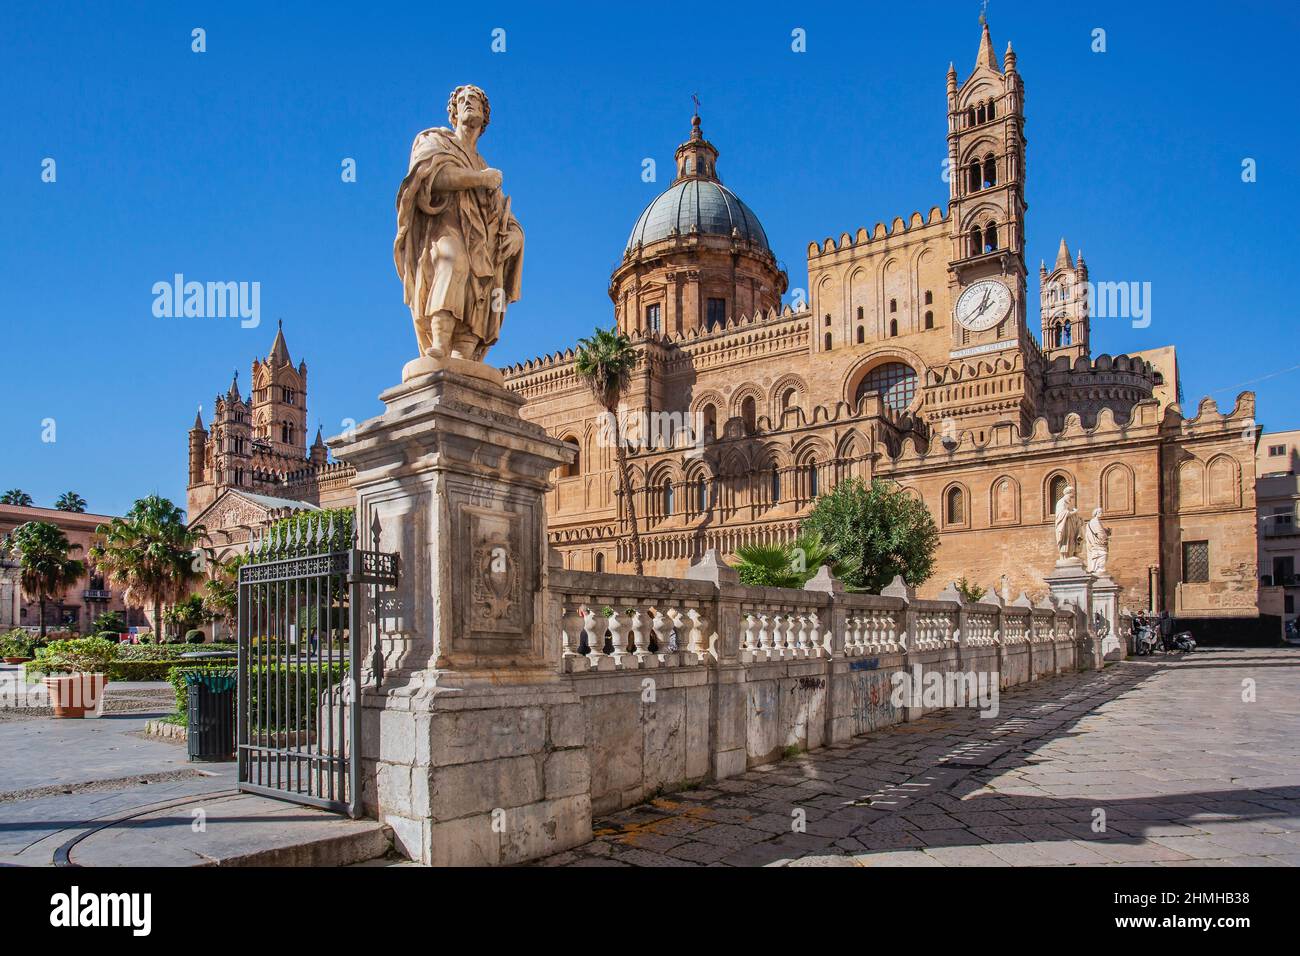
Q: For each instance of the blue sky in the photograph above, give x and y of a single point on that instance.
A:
(225, 166)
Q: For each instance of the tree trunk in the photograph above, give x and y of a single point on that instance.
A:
(621, 453)
(42, 604)
(159, 636)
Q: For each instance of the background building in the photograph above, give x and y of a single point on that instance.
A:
(78, 606)
(1277, 496)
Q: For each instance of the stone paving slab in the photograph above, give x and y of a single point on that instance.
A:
(1163, 755)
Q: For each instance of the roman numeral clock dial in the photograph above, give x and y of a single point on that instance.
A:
(983, 305)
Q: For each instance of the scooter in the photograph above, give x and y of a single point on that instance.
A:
(1182, 641)
(1145, 641)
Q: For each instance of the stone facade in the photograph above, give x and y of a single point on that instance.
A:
(883, 369)
(253, 464)
(1278, 494)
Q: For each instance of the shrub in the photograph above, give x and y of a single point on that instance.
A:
(886, 530)
(113, 636)
(85, 655)
(969, 590)
(280, 696)
(194, 636)
(140, 670)
(17, 643)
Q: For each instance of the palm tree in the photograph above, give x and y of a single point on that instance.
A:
(605, 361)
(221, 590)
(16, 496)
(71, 501)
(42, 550)
(150, 554)
(789, 565)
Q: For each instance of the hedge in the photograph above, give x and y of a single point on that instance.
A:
(296, 690)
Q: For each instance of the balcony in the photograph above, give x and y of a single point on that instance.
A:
(96, 594)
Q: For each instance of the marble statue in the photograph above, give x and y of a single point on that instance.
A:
(458, 250)
(1096, 538)
(1067, 525)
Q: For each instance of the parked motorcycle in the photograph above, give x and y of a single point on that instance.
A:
(1182, 641)
(1145, 639)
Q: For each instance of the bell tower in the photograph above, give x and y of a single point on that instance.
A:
(279, 401)
(986, 162)
(1064, 307)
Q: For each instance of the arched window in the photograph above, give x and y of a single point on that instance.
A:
(990, 171)
(955, 506)
(668, 497)
(749, 413)
(812, 478)
(827, 320)
(701, 494)
(862, 335)
(893, 305)
(970, 116)
(896, 383)
(976, 241)
(929, 320)
(575, 468)
(893, 327)
(1057, 490)
(990, 238)
(789, 399)
(600, 561)
(828, 341)
(859, 313)
(776, 484)
(973, 177)
(981, 114)
(993, 110)
(1066, 333)
(710, 422)
(929, 298)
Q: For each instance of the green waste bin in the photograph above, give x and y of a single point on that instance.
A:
(210, 696)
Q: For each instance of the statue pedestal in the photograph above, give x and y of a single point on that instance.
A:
(1105, 601)
(472, 747)
(1070, 583)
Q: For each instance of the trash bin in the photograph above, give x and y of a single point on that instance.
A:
(210, 696)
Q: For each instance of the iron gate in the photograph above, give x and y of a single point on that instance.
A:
(300, 647)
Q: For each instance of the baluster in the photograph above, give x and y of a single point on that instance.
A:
(696, 643)
(747, 643)
(675, 642)
(778, 636)
(617, 630)
(661, 626)
(764, 637)
(571, 654)
(801, 641)
(594, 625)
(815, 636)
(641, 640)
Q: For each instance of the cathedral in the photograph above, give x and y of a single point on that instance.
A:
(911, 359)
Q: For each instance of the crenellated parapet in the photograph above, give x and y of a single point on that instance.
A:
(863, 237)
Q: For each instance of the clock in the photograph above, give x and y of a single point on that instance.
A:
(983, 305)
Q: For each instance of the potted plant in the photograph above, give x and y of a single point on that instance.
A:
(17, 646)
(76, 674)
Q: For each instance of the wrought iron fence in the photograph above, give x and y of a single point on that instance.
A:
(300, 647)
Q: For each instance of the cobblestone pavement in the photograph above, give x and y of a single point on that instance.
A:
(1146, 763)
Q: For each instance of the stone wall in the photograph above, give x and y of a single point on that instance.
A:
(683, 681)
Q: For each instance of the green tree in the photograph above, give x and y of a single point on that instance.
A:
(886, 530)
(221, 589)
(71, 501)
(185, 615)
(150, 554)
(45, 568)
(605, 362)
(110, 621)
(970, 591)
(789, 565)
(16, 496)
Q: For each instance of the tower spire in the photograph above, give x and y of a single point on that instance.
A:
(279, 349)
(1063, 256)
(986, 56)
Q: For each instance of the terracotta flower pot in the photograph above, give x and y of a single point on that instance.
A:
(76, 695)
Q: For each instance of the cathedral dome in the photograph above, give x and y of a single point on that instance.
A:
(697, 205)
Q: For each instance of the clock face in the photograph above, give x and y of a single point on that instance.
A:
(983, 305)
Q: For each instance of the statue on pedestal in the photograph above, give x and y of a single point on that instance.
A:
(1097, 540)
(1067, 526)
(458, 251)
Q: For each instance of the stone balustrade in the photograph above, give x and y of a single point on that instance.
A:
(687, 680)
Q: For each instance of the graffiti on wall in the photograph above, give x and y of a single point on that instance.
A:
(873, 706)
